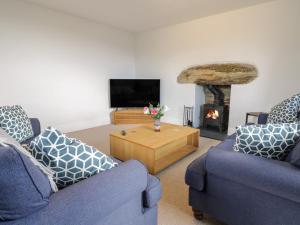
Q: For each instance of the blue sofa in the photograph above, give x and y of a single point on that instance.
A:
(241, 189)
(123, 195)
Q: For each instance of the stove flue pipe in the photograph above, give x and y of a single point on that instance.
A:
(218, 94)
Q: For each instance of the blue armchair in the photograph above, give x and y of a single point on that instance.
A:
(126, 194)
(241, 189)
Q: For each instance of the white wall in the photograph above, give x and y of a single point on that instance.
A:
(265, 35)
(57, 66)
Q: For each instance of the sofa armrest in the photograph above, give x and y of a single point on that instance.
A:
(195, 173)
(90, 200)
(152, 194)
(274, 177)
(109, 190)
(36, 126)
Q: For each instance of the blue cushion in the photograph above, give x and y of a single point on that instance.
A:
(273, 141)
(24, 188)
(70, 159)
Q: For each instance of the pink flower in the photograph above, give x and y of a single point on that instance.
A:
(146, 110)
(154, 111)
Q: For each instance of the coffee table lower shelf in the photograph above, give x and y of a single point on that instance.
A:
(166, 161)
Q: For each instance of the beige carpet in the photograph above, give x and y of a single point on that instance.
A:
(173, 208)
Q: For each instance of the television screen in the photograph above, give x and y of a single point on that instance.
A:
(134, 92)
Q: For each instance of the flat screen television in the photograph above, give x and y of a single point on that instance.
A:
(134, 92)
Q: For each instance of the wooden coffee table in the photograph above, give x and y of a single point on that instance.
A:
(156, 150)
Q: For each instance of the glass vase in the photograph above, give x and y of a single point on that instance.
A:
(157, 125)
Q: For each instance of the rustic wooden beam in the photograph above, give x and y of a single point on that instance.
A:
(219, 74)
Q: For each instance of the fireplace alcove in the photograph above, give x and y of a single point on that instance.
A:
(214, 113)
(216, 80)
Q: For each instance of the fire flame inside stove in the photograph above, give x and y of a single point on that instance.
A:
(212, 114)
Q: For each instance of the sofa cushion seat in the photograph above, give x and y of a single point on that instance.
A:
(270, 176)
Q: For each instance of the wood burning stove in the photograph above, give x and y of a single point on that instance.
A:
(215, 116)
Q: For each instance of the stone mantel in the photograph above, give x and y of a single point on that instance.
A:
(219, 74)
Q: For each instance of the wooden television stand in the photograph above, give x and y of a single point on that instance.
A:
(130, 116)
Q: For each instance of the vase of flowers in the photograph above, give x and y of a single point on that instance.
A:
(156, 113)
(157, 125)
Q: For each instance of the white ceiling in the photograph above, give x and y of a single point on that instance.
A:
(141, 15)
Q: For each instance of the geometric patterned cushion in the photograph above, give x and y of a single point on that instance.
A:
(15, 122)
(273, 141)
(69, 158)
(286, 111)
